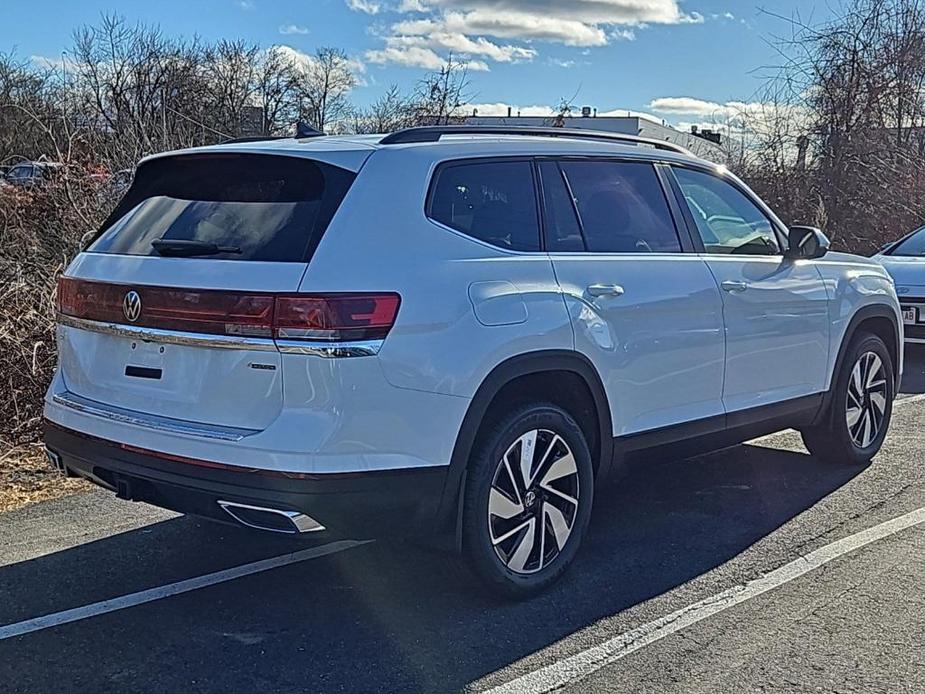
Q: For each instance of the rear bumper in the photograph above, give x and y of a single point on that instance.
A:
(368, 504)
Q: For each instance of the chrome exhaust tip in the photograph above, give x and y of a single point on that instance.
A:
(273, 520)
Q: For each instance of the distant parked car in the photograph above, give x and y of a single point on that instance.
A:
(27, 174)
(905, 261)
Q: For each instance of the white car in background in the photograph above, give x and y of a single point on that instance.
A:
(905, 261)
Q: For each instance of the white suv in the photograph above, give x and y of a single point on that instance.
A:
(456, 329)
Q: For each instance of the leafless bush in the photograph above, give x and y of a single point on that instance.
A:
(39, 234)
(844, 141)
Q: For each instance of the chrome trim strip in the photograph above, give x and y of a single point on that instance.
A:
(172, 337)
(361, 348)
(150, 421)
(300, 522)
(331, 350)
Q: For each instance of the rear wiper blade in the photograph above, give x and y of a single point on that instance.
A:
(180, 248)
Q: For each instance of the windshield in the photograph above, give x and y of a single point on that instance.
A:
(912, 245)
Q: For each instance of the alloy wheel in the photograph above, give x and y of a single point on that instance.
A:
(533, 502)
(866, 402)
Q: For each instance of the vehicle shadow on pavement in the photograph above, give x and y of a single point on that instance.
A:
(388, 616)
(914, 370)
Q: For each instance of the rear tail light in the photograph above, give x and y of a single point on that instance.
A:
(325, 317)
(335, 317)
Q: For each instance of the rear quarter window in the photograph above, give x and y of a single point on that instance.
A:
(265, 207)
(493, 201)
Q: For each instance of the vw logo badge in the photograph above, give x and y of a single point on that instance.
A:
(131, 306)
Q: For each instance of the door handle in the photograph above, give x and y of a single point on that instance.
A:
(733, 286)
(605, 290)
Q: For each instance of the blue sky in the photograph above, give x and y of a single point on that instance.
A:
(682, 60)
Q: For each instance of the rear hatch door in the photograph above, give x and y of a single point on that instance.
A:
(169, 312)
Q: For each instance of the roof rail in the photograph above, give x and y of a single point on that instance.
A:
(433, 133)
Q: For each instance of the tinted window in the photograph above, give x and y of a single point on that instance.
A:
(494, 202)
(21, 172)
(913, 245)
(728, 222)
(268, 207)
(563, 233)
(621, 207)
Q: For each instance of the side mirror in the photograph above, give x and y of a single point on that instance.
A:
(806, 243)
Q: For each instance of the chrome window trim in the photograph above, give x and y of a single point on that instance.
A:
(330, 350)
(150, 421)
(171, 337)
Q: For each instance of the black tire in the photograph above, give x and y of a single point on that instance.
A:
(487, 477)
(834, 440)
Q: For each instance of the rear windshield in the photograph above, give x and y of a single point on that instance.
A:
(250, 206)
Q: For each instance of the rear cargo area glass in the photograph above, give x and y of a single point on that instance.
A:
(253, 206)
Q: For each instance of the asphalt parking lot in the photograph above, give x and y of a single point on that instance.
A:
(383, 616)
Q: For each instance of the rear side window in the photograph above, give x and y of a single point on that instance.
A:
(251, 206)
(621, 207)
(493, 201)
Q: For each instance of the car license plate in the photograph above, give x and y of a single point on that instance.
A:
(910, 315)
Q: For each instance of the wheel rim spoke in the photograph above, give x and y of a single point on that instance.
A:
(873, 371)
(865, 439)
(510, 474)
(524, 548)
(510, 533)
(879, 401)
(856, 377)
(854, 414)
(501, 506)
(560, 527)
(565, 497)
(527, 447)
(560, 468)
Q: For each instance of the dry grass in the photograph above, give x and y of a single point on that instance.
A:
(26, 478)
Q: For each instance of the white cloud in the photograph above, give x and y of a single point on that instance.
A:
(61, 62)
(470, 27)
(507, 25)
(246, 4)
(367, 6)
(689, 106)
(287, 29)
(305, 62)
(410, 55)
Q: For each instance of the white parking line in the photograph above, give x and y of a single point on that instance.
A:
(586, 662)
(185, 586)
